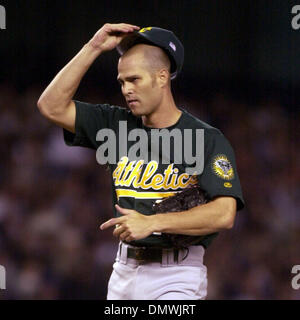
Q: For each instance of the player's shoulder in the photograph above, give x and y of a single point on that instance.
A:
(105, 106)
(191, 121)
(109, 109)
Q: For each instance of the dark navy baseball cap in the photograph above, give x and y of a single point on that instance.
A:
(159, 37)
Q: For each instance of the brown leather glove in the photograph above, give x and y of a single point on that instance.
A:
(188, 198)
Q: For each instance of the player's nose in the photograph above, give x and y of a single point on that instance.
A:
(127, 89)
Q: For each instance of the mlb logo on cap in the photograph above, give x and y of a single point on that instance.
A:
(172, 45)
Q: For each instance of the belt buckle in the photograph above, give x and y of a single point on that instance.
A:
(140, 254)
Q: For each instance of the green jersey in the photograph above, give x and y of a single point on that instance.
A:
(137, 184)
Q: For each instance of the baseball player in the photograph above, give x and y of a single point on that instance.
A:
(147, 266)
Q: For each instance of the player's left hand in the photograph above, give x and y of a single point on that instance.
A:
(132, 225)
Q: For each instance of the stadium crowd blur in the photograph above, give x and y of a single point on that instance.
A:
(53, 199)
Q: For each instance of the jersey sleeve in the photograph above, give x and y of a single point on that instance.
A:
(220, 176)
(90, 118)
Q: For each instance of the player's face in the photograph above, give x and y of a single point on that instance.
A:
(139, 85)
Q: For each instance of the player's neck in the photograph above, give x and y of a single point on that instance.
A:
(166, 115)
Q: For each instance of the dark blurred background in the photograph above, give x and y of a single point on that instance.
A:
(241, 75)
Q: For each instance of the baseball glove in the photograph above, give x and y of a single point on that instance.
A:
(188, 198)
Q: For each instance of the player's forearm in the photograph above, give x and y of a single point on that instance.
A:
(62, 88)
(212, 217)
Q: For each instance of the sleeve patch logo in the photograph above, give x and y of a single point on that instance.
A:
(222, 167)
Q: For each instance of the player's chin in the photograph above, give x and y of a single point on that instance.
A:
(137, 112)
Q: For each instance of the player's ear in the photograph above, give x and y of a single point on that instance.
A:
(163, 77)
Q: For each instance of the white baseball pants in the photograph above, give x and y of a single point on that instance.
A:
(166, 280)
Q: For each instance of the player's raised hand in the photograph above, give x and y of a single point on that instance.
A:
(110, 35)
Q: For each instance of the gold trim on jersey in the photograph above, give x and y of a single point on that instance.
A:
(142, 195)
